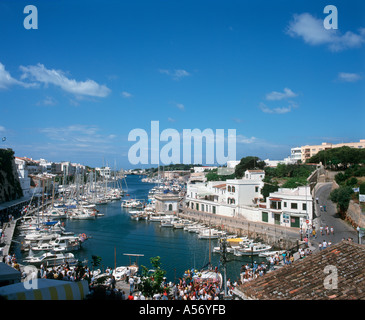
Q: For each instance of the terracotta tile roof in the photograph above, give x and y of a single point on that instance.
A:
(305, 279)
(220, 186)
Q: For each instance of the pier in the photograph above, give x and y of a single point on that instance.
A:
(278, 236)
(9, 228)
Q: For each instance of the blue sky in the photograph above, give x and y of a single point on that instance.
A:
(93, 71)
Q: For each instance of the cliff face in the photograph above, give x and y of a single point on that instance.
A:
(10, 188)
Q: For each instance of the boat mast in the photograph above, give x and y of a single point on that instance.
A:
(210, 230)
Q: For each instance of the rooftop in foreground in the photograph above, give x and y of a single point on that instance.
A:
(312, 277)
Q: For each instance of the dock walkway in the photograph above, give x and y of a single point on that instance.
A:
(6, 239)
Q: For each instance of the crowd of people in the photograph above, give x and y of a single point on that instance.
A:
(11, 260)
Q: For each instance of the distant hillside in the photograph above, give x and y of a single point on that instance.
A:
(10, 188)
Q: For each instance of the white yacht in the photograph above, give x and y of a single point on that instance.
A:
(51, 258)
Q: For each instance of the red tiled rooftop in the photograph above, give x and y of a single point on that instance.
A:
(220, 186)
(304, 279)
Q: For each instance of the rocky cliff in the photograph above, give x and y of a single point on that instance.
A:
(10, 188)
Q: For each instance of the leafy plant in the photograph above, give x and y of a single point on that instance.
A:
(151, 283)
(342, 196)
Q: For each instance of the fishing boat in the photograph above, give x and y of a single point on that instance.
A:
(253, 249)
(180, 224)
(138, 215)
(157, 216)
(269, 254)
(168, 221)
(208, 234)
(82, 214)
(132, 203)
(121, 272)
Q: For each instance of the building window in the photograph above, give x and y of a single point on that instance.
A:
(202, 207)
(192, 205)
(213, 209)
(170, 207)
(197, 206)
(233, 189)
(304, 206)
(256, 189)
(275, 205)
(284, 204)
(294, 205)
(229, 188)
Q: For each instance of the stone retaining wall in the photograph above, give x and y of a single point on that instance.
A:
(279, 237)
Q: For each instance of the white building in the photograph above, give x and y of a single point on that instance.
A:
(226, 198)
(232, 164)
(295, 154)
(203, 168)
(24, 179)
(289, 207)
(104, 172)
(46, 166)
(168, 203)
(242, 197)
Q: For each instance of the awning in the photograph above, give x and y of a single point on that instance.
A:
(300, 215)
(235, 240)
(46, 289)
(275, 199)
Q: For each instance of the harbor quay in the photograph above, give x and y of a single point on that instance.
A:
(10, 215)
(277, 236)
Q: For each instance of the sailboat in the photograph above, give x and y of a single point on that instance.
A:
(207, 275)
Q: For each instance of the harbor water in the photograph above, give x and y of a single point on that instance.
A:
(115, 234)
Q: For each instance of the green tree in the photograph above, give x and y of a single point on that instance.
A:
(152, 283)
(248, 163)
(294, 182)
(342, 196)
(268, 188)
(95, 261)
(339, 158)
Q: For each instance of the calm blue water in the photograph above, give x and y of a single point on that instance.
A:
(116, 232)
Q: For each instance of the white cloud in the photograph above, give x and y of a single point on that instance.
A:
(277, 110)
(180, 106)
(281, 95)
(57, 77)
(74, 137)
(6, 80)
(243, 139)
(2, 129)
(72, 132)
(312, 31)
(126, 94)
(48, 101)
(170, 119)
(349, 77)
(176, 74)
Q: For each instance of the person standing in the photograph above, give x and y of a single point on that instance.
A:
(131, 284)
(128, 273)
(324, 244)
(42, 270)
